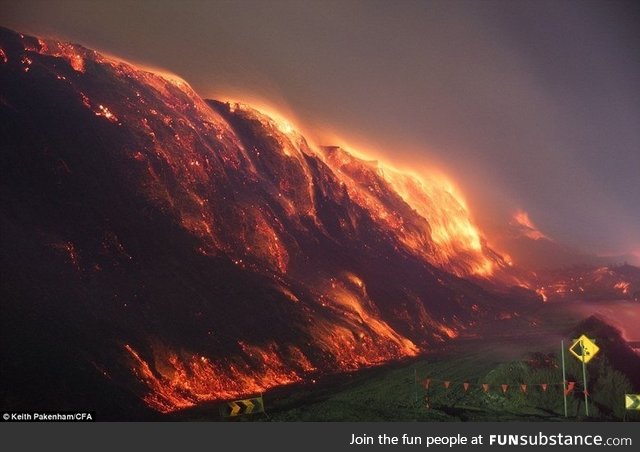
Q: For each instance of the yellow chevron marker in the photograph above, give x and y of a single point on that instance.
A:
(249, 405)
(235, 409)
(632, 401)
(242, 407)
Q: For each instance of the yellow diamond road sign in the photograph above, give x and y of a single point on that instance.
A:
(586, 345)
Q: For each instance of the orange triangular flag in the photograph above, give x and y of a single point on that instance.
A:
(427, 383)
(446, 384)
(466, 386)
(570, 385)
(544, 387)
(523, 388)
(504, 388)
(485, 387)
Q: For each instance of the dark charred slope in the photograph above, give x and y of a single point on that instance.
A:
(156, 248)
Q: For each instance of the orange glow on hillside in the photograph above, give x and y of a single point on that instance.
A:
(249, 189)
(623, 286)
(432, 196)
(70, 52)
(529, 229)
(543, 294)
(351, 299)
(280, 114)
(181, 381)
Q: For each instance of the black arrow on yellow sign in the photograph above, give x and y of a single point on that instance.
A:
(241, 407)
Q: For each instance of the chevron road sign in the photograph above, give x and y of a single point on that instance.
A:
(632, 401)
(241, 407)
(590, 348)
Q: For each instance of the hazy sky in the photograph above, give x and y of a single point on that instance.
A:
(532, 105)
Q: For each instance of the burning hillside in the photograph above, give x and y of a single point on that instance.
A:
(186, 250)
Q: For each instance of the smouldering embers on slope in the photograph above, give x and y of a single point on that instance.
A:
(251, 188)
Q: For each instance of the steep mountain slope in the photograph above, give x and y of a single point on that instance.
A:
(180, 250)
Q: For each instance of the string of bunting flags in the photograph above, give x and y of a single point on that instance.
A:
(583, 348)
(430, 383)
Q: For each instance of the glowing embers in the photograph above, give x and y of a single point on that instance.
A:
(288, 293)
(363, 338)
(543, 294)
(623, 286)
(99, 110)
(272, 248)
(26, 63)
(106, 113)
(70, 252)
(175, 381)
(588, 283)
(274, 125)
(69, 52)
(197, 219)
(76, 61)
(85, 100)
(560, 289)
(351, 347)
(256, 241)
(3, 56)
(450, 333)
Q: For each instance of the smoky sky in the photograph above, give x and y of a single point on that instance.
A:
(526, 105)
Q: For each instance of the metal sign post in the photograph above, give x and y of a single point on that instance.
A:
(584, 378)
(564, 378)
(588, 349)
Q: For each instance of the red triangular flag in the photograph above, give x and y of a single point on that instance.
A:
(544, 387)
(427, 383)
(485, 387)
(570, 385)
(523, 388)
(446, 384)
(504, 388)
(466, 386)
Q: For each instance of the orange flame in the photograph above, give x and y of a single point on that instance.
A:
(444, 215)
(351, 299)
(177, 382)
(522, 220)
(623, 286)
(70, 52)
